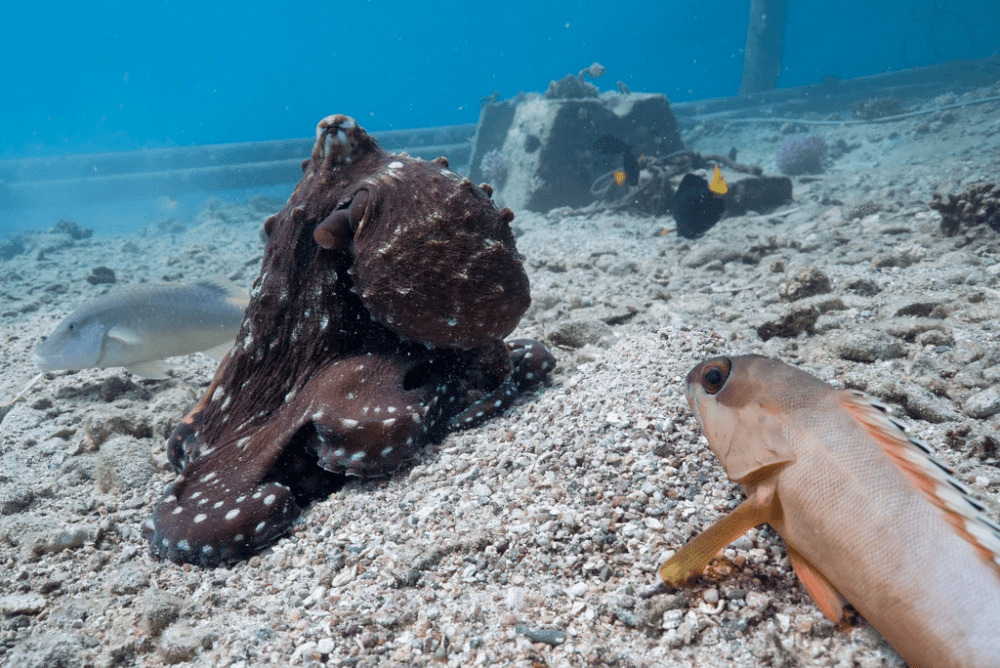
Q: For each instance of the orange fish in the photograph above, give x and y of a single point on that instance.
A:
(867, 514)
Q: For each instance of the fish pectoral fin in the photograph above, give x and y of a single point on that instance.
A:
(218, 352)
(151, 369)
(758, 443)
(125, 336)
(692, 559)
(827, 599)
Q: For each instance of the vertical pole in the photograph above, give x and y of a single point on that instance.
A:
(762, 58)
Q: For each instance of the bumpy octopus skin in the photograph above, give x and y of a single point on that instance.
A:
(377, 323)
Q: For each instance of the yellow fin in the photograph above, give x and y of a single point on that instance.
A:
(620, 177)
(692, 559)
(718, 184)
(827, 599)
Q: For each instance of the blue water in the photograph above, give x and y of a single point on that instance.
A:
(108, 76)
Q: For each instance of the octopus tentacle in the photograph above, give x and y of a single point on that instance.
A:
(531, 363)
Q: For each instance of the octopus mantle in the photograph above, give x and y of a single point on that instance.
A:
(376, 324)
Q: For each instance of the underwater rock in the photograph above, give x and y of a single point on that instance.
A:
(868, 345)
(73, 230)
(806, 283)
(11, 248)
(979, 204)
(756, 192)
(578, 333)
(99, 275)
(791, 323)
(548, 144)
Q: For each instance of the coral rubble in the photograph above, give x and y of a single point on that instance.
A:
(979, 204)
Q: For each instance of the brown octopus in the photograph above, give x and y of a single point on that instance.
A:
(376, 324)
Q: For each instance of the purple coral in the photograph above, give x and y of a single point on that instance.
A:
(801, 155)
(493, 168)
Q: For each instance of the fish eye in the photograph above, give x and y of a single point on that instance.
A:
(71, 326)
(715, 374)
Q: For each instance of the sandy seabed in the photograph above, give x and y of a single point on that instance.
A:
(526, 541)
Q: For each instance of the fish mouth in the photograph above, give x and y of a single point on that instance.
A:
(42, 362)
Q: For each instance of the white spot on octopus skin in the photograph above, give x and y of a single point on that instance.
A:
(207, 549)
(177, 511)
(232, 514)
(389, 422)
(358, 456)
(339, 452)
(183, 545)
(218, 504)
(269, 499)
(260, 527)
(200, 517)
(348, 423)
(208, 477)
(395, 164)
(238, 538)
(385, 451)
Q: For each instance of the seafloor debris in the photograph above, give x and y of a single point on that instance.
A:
(878, 107)
(980, 203)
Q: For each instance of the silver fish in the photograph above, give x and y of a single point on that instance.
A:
(140, 326)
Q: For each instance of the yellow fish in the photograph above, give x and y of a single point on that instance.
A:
(868, 515)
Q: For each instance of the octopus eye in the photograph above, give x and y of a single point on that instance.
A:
(715, 374)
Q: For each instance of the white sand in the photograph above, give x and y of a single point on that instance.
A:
(555, 515)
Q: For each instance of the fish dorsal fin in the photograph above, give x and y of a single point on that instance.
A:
(927, 473)
(718, 184)
(230, 292)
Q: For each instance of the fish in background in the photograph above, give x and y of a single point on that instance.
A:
(611, 145)
(140, 326)
(698, 204)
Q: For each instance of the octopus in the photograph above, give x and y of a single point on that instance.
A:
(376, 325)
